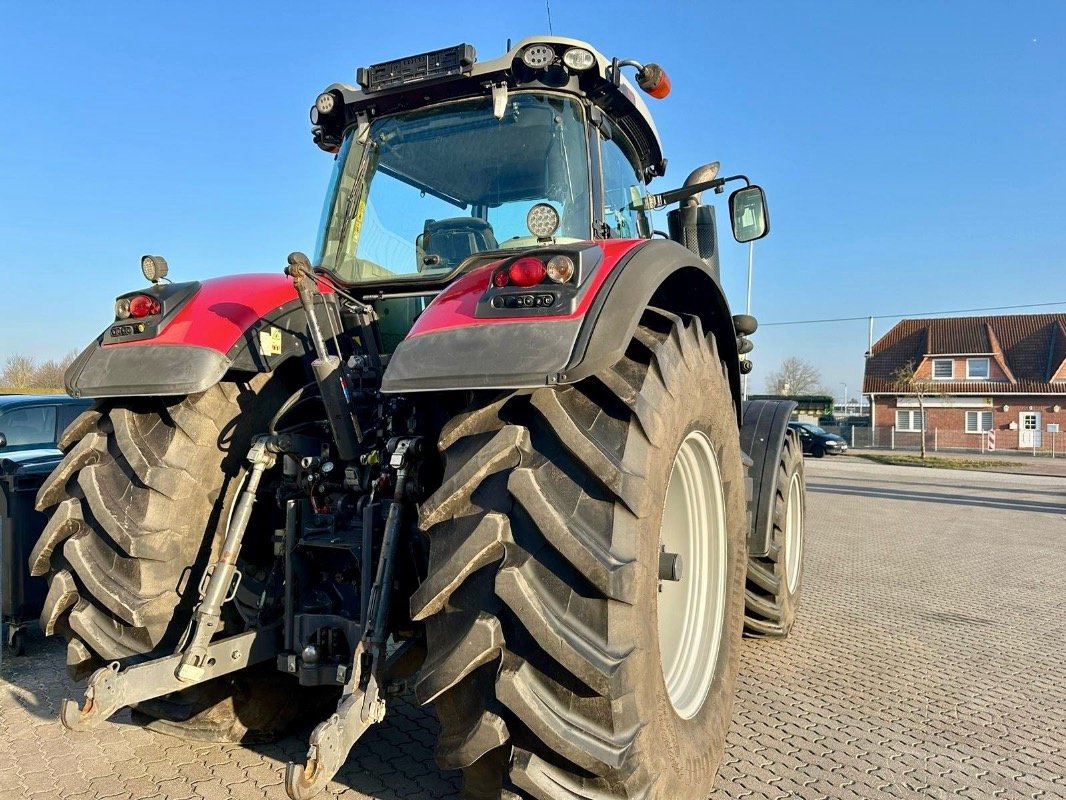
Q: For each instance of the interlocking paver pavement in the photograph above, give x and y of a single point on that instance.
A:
(929, 661)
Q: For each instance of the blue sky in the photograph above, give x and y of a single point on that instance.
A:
(911, 151)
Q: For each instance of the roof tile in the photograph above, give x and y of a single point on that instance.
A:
(1033, 347)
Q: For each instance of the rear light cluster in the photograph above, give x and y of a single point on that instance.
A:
(539, 283)
(137, 307)
(531, 271)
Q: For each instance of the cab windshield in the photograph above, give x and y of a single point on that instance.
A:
(428, 188)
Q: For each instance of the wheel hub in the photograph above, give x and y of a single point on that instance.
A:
(691, 606)
(793, 533)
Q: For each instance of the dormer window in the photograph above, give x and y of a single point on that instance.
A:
(977, 369)
(943, 369)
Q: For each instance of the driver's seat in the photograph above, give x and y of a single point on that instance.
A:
(455, 239)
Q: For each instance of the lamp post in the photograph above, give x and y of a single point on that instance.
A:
(751, 258)
(845, 403)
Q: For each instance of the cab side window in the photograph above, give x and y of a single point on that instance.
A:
(623, 195)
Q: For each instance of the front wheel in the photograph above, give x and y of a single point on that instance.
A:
(584, 599)
(818, 451)
(775, 582)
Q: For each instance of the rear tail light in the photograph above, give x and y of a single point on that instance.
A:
(528, 271)
(560, 268)
(143, 306)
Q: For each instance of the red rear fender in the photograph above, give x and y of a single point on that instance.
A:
(461, 341)
(238, 322)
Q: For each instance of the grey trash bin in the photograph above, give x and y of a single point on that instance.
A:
(21, 596)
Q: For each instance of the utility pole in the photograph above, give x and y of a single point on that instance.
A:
(747, 310)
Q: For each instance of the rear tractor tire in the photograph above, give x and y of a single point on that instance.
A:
(775, 582)
(560, 663)
(137, 509)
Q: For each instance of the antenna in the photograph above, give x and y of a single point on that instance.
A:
(548, 7)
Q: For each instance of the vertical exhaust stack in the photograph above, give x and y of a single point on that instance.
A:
(693, 225)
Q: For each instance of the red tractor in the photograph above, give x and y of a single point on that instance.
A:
(489, 443)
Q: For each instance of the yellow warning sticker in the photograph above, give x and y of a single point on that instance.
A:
(270, 342)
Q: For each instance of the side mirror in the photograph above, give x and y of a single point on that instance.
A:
(3, 441)
(748, 214)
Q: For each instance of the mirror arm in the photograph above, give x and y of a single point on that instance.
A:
(676, 195)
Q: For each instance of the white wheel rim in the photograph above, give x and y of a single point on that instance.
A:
(793, 533)
(691, 611)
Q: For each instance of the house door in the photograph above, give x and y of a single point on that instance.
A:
(1029, 429)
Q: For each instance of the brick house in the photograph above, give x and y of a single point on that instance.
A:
(1005, 374)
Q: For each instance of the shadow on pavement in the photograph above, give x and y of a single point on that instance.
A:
(30, 680)
(939, 498)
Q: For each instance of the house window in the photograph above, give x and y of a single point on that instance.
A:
(978, 421)
(908, 420)
(943, 369)
(977, 369)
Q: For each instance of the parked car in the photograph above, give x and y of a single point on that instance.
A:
(30, 427)
(35, 421)
(816, 441)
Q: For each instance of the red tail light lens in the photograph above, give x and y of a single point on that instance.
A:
(528, 271)
(500, 279)
(143, 306)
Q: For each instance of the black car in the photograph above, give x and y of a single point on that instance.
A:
(30, 426)
(818, 442)
(35, 421)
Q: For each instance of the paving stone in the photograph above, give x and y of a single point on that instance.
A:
(927, 663)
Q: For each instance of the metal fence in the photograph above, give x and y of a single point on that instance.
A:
(1047, 443)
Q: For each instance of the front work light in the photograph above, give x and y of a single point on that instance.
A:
(154, 268)
(538, 56)
(579, 59)
(325, 103)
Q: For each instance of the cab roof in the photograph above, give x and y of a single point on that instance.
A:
(453, 73)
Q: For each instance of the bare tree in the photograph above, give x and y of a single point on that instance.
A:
(18, 371)
(795, 376)
(907, 381)
(49, 375)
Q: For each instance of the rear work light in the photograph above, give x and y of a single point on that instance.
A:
(143, 306)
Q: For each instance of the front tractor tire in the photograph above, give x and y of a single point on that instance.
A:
(775, 582)
(559, 663)
(137, 508)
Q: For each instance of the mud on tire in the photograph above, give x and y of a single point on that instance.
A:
(136, 508)
(540, 603)
(774, 584)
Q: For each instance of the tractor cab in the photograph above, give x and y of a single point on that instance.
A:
(443, 162)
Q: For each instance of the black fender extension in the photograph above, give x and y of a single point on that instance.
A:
(762, 437)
